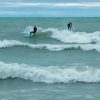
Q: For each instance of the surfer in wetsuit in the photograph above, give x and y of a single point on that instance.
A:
(34, 30)
(69, 25)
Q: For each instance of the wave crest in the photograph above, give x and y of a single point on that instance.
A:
(50, 47)
(50, 74)
(66, 36)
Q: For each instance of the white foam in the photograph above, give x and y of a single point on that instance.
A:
(76, 37)
(72, 37)
(50, 47)
(50, 74)
(66, 36)
(27, 31)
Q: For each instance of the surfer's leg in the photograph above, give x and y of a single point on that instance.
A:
(68, 28)
(34, 33)
(31, 32)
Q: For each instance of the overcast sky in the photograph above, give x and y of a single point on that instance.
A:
(49, 8)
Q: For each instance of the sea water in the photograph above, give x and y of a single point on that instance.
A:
(56, 64)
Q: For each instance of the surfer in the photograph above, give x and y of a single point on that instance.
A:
(34, 30)
(69, 25)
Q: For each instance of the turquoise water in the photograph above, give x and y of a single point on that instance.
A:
(53, 65)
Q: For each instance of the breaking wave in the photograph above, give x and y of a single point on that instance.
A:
(50, 74)
(50, 47)
(66, 36)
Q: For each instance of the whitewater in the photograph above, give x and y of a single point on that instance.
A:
(66, 36)
(50, 74)
(50, 47)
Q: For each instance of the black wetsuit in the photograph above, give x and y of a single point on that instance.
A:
(69, 26)
(34, 30)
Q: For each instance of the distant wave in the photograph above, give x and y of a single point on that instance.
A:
(66, 36)
(50, 47)
(50, 74)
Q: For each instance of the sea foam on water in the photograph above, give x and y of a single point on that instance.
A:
(66, 36)
(50, 74)
(50, 47)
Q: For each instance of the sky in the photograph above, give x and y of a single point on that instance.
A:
(49, 8)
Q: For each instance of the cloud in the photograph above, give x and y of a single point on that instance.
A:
(62, 9)
(69, 4)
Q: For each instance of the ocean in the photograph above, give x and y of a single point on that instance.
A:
(56, 64)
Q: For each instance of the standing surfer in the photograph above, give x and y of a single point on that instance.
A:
(69, 25)
(34, 30)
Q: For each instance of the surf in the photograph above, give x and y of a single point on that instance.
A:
(49, 74)
(50, 47)
(66, 36)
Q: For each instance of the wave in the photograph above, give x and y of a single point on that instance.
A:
(50, 47)
(50, 74)
(66, 36)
